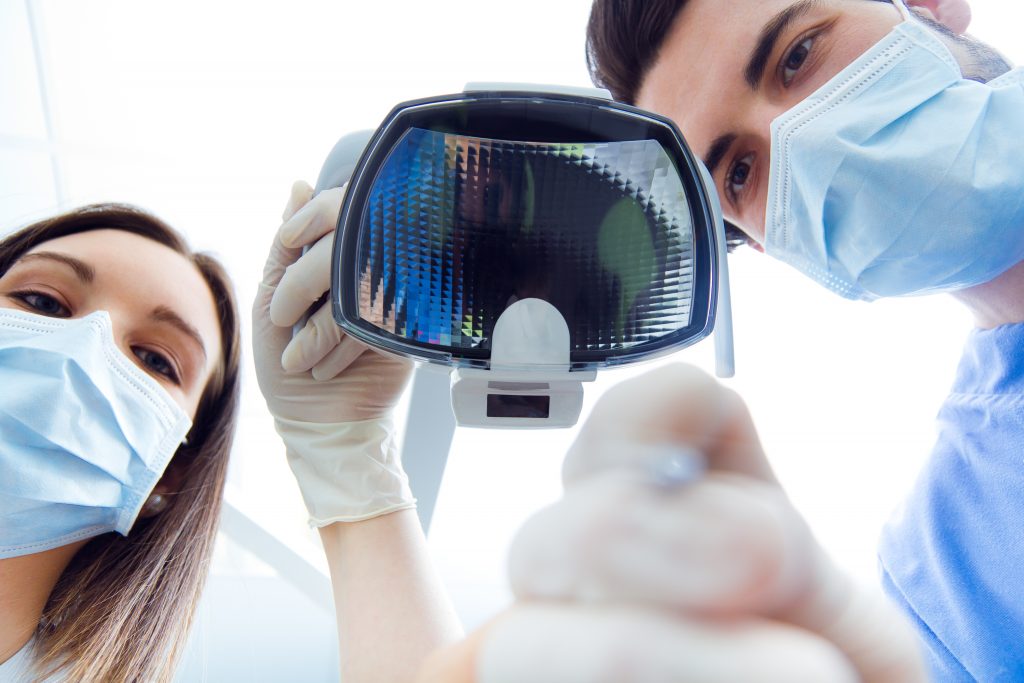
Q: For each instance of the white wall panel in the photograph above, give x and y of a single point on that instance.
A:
(26, 183)
(254, 627)
(21, 115)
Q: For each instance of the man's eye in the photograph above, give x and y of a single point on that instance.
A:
(795, 60)
(738, 176)
(43, 304)
(157, 363)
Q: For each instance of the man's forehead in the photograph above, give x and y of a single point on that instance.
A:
(701, 76)
(706, 50)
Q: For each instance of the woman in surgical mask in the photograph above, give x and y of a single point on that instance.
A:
(118, 391)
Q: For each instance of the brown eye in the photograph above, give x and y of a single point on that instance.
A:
(43, 304)
(795, 60)
(156, 362)
(739, 174)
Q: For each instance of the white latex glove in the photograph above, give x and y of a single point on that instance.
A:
(330, 395)
(716, 580)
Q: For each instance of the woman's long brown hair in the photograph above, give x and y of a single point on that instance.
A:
(122, 609)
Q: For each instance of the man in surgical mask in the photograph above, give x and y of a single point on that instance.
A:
(879, 150)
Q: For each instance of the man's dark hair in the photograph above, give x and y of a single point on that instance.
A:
(623, 41)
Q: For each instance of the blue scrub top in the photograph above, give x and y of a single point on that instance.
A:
(953, 555)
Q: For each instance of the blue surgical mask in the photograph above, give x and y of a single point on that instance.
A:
(899, 176)
(84, 433)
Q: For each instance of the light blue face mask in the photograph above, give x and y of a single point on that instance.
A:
(84, 434)
(899, 176)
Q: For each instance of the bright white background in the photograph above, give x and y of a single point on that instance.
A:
(205, 112)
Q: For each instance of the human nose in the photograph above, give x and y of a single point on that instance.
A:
(120, 326)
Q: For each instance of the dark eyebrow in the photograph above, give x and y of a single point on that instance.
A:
(754, 73)
(83, 270)
(165, 315)
(718, 149)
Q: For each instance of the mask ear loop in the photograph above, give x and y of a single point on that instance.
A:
(904, 9)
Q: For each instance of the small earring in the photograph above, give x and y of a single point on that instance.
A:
(154, 505)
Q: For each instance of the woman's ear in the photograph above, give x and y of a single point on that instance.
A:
(953, 14)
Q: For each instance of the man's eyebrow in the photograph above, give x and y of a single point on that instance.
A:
(83, 270)
(718, 149)
(165, 315)
(776, 26)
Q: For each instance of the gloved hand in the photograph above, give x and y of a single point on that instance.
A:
(331, 396)
(636, 575)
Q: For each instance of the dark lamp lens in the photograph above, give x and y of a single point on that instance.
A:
(456, 228)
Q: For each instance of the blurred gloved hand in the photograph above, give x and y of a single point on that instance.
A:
(638, 576)
(331, 396)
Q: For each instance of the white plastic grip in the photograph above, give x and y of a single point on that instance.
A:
(725, 354)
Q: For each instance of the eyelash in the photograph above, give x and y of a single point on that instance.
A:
(730, 190)
(29, 298)
(169, 372)
(805, 46)
(26, 297)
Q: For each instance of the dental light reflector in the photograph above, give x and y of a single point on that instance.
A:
(456, 228)
(578, 229)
